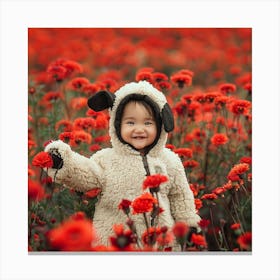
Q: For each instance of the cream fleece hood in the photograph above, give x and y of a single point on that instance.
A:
(106, 100)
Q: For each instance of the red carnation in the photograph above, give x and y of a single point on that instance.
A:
(187, 152)
(237, 170)
(235, 226)
(124, 205)
(219, 139)
(144, 203)
(181, 78)
(75, 234)
(190, 163)
(245, 241)
(154, 181)
(123, 239)
(226, 88)
(180, 230)
(209, 196)
(78, 83)
(240, 107)
(35, 191)
(198, 240)
(149, 237)
(93, 193)
(42, 159)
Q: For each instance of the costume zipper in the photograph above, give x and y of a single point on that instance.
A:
(146, 166)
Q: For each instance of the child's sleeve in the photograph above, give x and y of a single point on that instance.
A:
(180, 196)
(77, 171)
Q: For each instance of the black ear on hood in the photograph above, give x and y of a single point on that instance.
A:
(101, 100)
(167, 118)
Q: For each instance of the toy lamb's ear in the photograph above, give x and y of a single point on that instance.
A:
(101, 100)
(167, 118)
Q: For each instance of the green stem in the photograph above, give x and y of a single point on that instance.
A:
(206, 162)
(213, 227)
(224, 237)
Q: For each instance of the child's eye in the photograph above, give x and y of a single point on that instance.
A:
(148, 123)
(130, 123)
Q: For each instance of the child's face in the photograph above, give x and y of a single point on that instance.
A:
(138, 127)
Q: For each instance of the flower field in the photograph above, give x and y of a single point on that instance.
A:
(205, 74)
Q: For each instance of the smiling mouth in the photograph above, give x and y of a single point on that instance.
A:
(139, 137)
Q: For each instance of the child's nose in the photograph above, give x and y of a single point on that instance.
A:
(139, 128)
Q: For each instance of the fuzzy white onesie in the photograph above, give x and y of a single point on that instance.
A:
(119, 172)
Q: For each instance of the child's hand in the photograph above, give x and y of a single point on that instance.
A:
(58, 151)
(57, 160)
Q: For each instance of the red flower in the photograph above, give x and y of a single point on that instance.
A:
(49, 97)
(237, 170)
(235, 226)
(145, 74)
(180, 230)
(200, 97)
(102, 139)
(80, 136)
(123, 240)
(67, 125)
(31, 172)
(149, 237)
(75, 234)
(228, 185)
(245, 241)
(165, 239)
(211, 96)
(219, 190)
(62, 68)
(198, 240)
(203, 223)
(226, 88)
(124, 205)
(170, 146)
(198, 134)
(219, 139)
(42, 159)
(247, 160)
(248, 87)
(101, 121)
(35, 191)
(57, 72)
(190, 163)
(71, 66)
(240, 107)
(144, 203)
(154, 181)
(78, 83)
(93, 193)
(84, 123)
(181, 78)
(94, 147)
(90, 89)
(209, 196)
(159, 77)
(198, 203)
(221, 101)
(78, 103)
(66, 136)
(186, 152)
(163, 85)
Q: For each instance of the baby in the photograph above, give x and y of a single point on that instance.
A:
(140, 119)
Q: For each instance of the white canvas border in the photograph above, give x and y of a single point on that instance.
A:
(17, 16)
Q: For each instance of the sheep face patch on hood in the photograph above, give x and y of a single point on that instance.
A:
(115, 103)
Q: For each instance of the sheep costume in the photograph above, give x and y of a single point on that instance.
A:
(120, 171)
